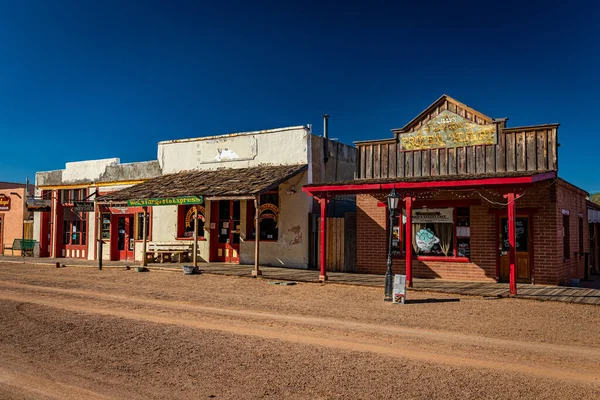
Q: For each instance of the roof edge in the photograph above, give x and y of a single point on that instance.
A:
(235, 134)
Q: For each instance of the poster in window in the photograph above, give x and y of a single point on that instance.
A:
(521, 231)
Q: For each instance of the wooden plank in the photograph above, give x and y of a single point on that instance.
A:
(553, 149)
(470, 155)
(511, 159)
(340, 243)
(480, 159)
(392, 160)
(358, 163)
(521, 150)
(417, 163)
(443, 156)
(377, 161)
(409, 164)
(329, 249)
(542, 150)
(461, 160)
(400, 162)
(343, 240)
(369, 162)
(435, 163)
(452, 168)
(452, 107)
(384, 160)
(501, 151)
(425, 162)
(334, 250)
(490, 158)
(363, 162)
(531, 152)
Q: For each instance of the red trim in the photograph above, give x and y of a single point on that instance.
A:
(408, 241)
(512, 251)
(430, 184)
(322, 256)
(497, 248)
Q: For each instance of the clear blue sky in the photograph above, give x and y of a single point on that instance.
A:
(95, 79)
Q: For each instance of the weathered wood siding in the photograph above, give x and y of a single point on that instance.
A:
(518, 149)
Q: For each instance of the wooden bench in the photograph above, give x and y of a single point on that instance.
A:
(169, 251)
(26, 247)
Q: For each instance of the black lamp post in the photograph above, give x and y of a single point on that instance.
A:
(393, 200)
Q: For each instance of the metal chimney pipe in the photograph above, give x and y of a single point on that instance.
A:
(326, 126)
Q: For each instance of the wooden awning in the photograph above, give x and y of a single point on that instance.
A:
(230, 183)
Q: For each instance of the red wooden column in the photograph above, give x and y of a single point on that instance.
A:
(512, 236)
(408, 239)
(323, 247)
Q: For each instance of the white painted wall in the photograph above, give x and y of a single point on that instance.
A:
(285, 146)
(86, 170)
(291, 248)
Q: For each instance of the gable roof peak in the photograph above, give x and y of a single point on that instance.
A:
(442, 103)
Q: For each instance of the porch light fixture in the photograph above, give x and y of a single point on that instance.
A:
(393, 200)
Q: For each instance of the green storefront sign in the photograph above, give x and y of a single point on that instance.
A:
(173, 201)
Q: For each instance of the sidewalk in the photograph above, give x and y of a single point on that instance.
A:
(581, 295)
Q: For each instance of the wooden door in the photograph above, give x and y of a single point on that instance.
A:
(523, 260)
(227, 243)
(125, 239)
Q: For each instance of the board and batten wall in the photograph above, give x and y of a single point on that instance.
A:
(529, 148)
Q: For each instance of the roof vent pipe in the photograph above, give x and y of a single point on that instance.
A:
(326, 126)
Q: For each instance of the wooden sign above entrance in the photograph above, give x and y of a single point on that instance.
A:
(448, 130)
(39, 205)
(4, 203)
(173, 201)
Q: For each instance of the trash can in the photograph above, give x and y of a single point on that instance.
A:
(399, 293)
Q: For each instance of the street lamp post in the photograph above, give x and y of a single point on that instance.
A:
(393, 200)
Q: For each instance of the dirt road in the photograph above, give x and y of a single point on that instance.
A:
(83, 333)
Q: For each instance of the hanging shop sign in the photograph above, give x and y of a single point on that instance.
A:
(83, 206)
(38, 205)
(172, 201)
(432, 215)
(448, 130)
(269, 211)
(4, 203)
(189, 216)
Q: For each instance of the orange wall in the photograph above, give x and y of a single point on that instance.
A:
(12, 221)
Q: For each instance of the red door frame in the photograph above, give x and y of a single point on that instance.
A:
(521, 212)
(227, 248)
(115, 253)
(83, 248)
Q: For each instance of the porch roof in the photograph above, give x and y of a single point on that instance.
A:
(443, 181)
(229, 182)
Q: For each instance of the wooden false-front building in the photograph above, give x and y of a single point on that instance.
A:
(479, 201)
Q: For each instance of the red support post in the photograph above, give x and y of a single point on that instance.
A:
(323, 248)
(408, 240)
(512, 236)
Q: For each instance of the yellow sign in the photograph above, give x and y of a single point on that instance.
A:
(449, 130)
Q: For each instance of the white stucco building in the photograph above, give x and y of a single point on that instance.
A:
(227, 172)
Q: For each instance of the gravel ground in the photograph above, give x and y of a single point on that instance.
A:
(83, 333)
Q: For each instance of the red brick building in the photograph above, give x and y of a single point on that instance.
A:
(478, 201)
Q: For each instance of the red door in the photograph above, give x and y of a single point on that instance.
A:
(124, 238)
(225, 238)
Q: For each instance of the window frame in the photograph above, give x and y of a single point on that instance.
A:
(251, 210)
(452, 258)
(182, 211)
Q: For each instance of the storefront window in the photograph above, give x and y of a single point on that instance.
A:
(139, 226)
(269, 217)
(186, 221)
(434, 232)
(106, 226)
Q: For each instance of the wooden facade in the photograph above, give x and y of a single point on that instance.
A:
(529, 148)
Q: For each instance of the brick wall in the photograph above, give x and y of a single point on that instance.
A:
(545, 198)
